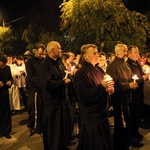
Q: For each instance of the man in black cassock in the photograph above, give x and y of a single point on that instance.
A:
(92, 90)
(5, 82)
(137, 95)
(34, 105)
(122, 97)
(57, 120)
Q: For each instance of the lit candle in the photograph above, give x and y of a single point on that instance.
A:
(67, 72)
(135, 78)
(108, 78)
(72, 68)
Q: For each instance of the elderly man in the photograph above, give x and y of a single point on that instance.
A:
(137, 95)
(91, 87)
(121, 99)
(57, 124)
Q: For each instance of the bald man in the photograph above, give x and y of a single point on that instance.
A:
(58, 121)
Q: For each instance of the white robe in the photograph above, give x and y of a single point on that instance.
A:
(14, 95)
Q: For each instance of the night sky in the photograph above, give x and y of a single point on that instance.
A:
(13, 9)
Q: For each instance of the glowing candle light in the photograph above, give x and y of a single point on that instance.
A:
(72, 68)
(67, 72)
(135, 78)
(108, 78)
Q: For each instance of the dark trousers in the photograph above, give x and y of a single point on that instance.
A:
(136, 114)
(23, 95)
(35, 111)
(122, 133)
(5, 113)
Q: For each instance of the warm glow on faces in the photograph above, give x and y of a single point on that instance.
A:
(9, 60)
(39, 53)
(102, 60)
(91, 56)
(19, 62)
(134, 54)
(57, 50)
(122, 52)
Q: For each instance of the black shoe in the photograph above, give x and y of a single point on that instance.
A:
(8, 136)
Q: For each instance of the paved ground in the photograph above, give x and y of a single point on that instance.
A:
(20, 141)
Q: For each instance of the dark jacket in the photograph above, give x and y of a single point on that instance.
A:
(32, 79)
(91, 94)
(137, 69)
(121, 73)
(58, 121)
(5, 113)
(92, 97)
(51, 75)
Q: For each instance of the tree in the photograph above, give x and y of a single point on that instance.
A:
(104, 23)
(10, 42)
(43, 20)
(6, 36)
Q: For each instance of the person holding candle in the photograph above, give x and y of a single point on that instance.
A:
(137, 94)
(91, 86)
(69, 73)
(119, 70)
(57, 116)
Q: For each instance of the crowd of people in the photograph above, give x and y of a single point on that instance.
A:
(51, 83)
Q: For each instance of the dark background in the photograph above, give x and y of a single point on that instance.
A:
(13, 9)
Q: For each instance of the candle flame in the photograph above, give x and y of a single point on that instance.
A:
(135, 77)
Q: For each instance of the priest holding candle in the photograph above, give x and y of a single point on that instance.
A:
(119, 70)
(91, 85)
(57, 113)
(137, 94)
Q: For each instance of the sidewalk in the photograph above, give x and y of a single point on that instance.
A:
(20, 141)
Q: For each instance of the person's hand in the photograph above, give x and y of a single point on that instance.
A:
(110, 90)
(146, 76)
(133, 85)
(67, 81)
(1, 84)
(8, 83)
(108, 84)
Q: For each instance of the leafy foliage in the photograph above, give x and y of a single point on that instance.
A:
(41, 25)
(104, 23)
(6, 37)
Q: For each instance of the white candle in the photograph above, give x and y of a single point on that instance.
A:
(135, 78)
(67, 72)
(72, 68)
(108, 78)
